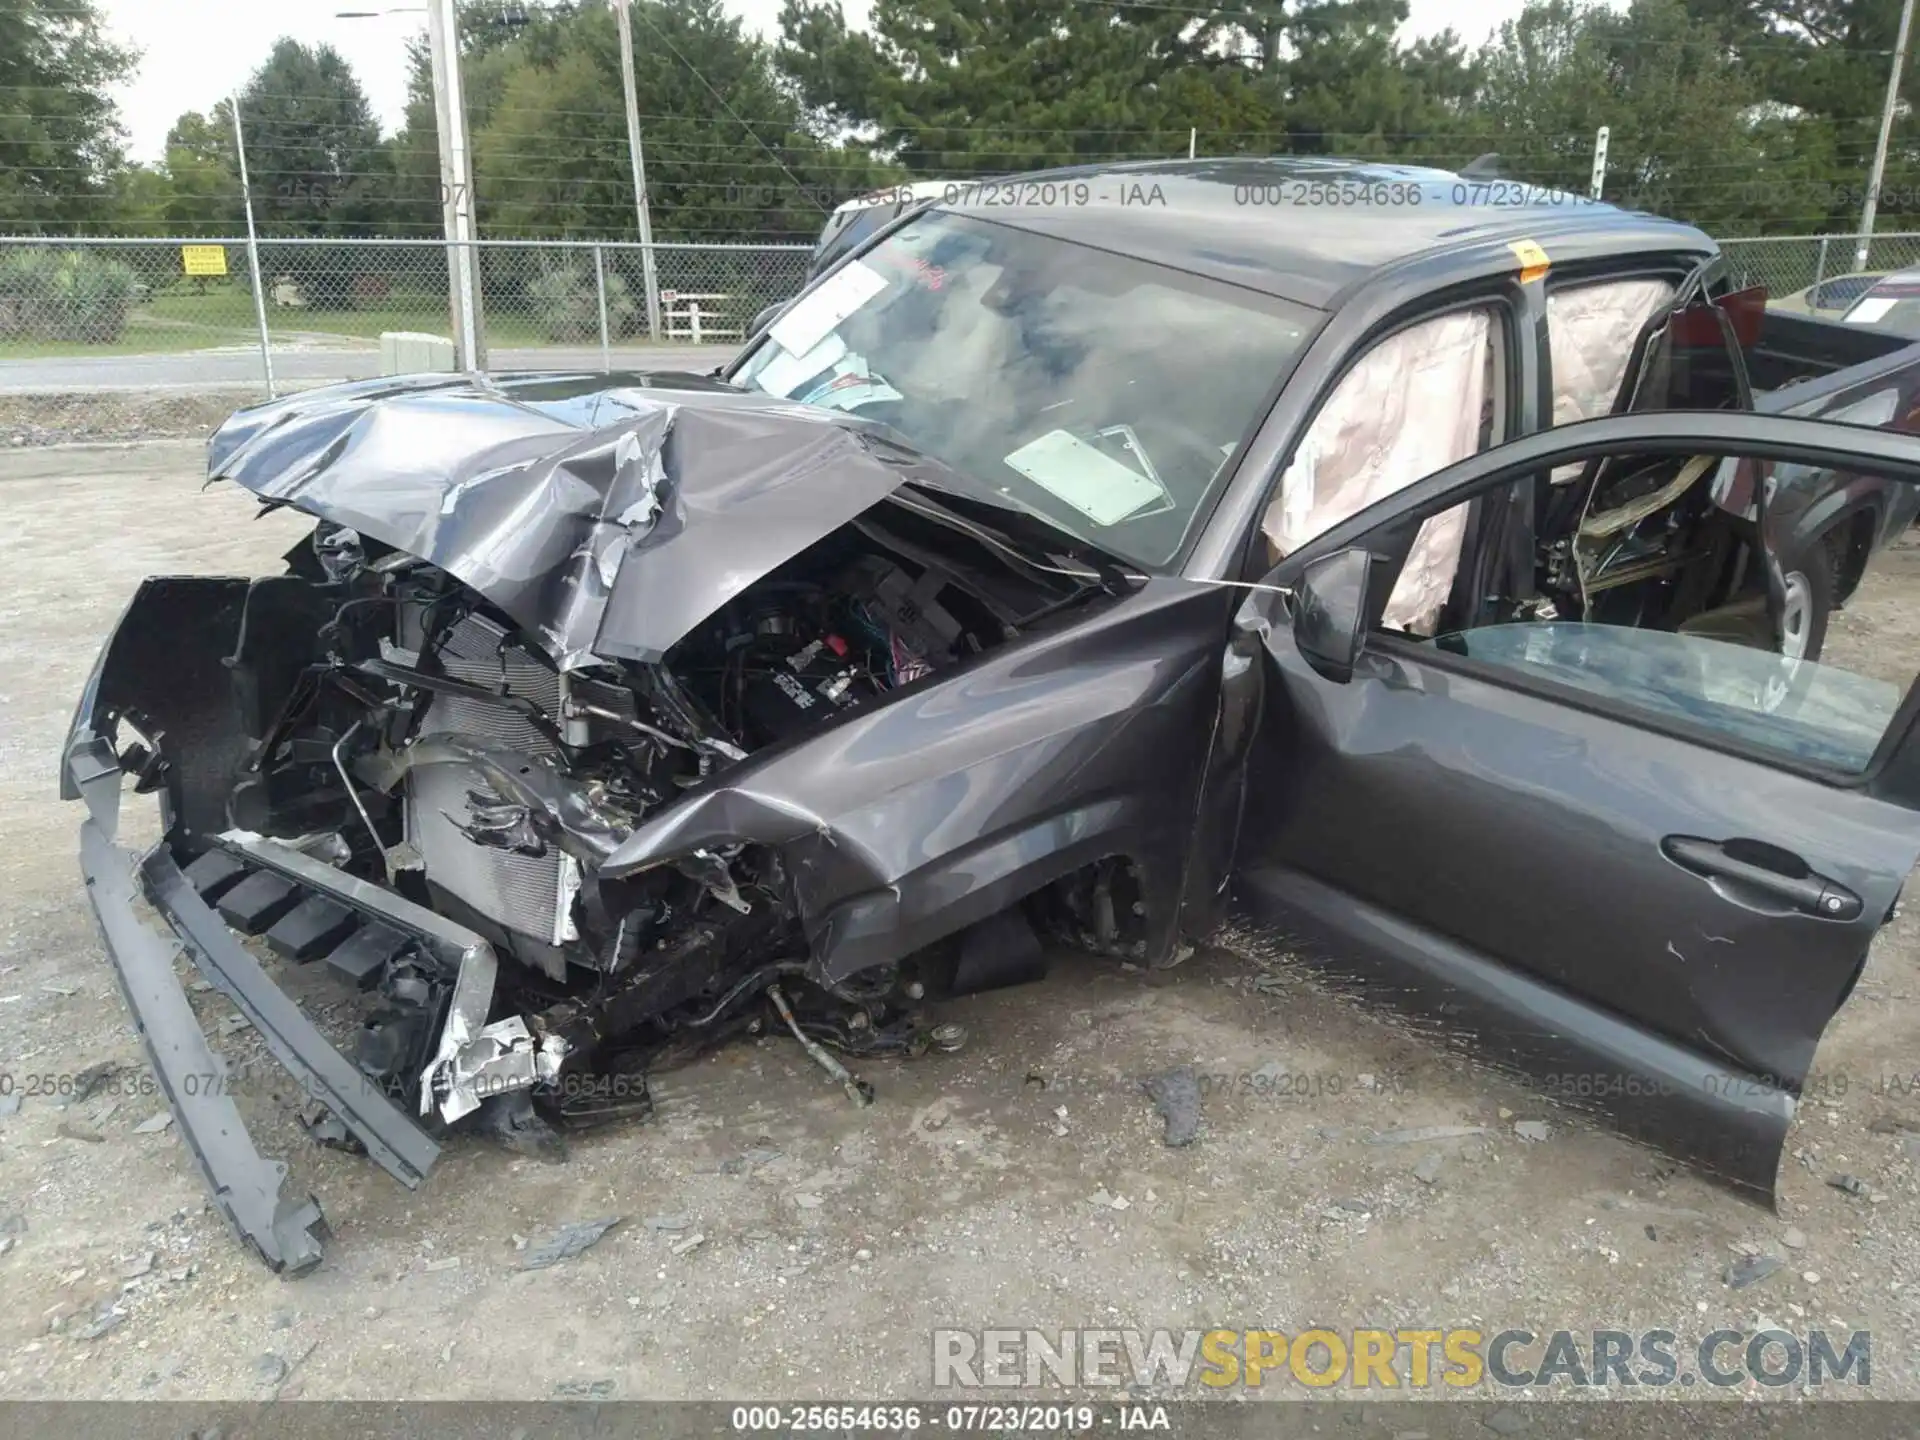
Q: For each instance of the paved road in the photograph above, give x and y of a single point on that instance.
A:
(240, 368)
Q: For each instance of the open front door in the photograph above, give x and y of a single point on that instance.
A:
(1644, 863)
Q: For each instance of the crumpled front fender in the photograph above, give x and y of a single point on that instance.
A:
(903, 824)
(860, 907)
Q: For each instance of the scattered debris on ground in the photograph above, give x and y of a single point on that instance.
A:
(1751, 1270)
(1422, 1134)
(567, 1242)
(86, 1081)
(1176, 1095)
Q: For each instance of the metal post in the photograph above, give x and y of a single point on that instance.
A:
(693, 321)
(1193, 140)
(1598, 183)
(600, 285)
(639, 159)
(1874, 180)
(456, 186)
(1820, 260)
(253, 249)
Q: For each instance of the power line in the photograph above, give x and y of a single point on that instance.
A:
(695, 71)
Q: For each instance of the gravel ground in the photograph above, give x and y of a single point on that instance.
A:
(1023, 1181)
(37, 420)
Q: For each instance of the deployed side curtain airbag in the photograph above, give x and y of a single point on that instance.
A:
(1414, 404)
(1590, 335)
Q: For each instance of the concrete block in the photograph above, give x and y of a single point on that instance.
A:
(406, 352)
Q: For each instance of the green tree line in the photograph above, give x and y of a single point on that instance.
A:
(1743, 116)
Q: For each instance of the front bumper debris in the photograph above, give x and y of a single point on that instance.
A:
(286, 1231)
(474, 1059)
(162, 676)
(404, 1150)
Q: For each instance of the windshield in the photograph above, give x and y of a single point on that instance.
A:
(1103, 394)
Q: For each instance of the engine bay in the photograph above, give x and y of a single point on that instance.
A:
(794, 653)
(411, 732)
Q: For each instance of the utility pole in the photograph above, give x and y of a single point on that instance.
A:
(456, 186)
(253, 247)
(639, 160)
(1886, 133)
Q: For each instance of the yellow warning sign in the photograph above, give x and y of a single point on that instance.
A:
(203, 259)
(1533, 260)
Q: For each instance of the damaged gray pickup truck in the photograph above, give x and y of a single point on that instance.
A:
(1426, 575)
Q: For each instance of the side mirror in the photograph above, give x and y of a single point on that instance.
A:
(1330, 613)
(766, 317)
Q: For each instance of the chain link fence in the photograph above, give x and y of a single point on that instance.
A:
(182, 311)
(76, 310)
(1787, 264)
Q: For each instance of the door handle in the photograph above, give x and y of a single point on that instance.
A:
(1742, 868)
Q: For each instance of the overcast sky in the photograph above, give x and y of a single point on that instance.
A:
(194, 51)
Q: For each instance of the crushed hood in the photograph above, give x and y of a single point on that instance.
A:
(607, 515)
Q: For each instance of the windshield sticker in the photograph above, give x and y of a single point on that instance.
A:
(1098, 486)
(926, 273)
(809, 320)
(784, 374)
(850, 386)
(1872, 310)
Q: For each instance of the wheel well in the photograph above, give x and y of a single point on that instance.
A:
(1100, 907)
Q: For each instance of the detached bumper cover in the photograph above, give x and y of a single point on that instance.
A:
(286, 1231)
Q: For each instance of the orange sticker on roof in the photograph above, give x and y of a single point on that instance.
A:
(1533, 260)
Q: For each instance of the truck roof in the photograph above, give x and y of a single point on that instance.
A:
(910, 190)
(1261, 222)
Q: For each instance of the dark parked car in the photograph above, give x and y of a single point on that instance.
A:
(1063, 565)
